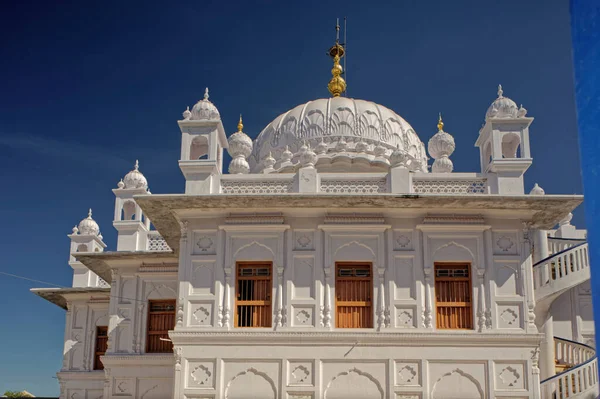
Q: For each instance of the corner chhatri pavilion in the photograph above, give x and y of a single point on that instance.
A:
(333, 262)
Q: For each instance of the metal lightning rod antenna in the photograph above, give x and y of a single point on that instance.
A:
(346, 58)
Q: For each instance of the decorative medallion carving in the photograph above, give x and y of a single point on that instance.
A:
(509, 376)
(204, 243)
(201, 375)
(504, 243)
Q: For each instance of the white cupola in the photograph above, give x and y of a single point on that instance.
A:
(440, 147)
(203, 139)
(129, 220)
(135, 179)
(204, 109)
(504, 145)
(85, 237)
(240, 148)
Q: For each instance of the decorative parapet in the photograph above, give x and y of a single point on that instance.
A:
(257, 184)
(156, 243)
(455, 183)
(360, 183)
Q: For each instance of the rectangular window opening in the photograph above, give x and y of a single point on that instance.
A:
(254, 284)
(354, 289)
(161, 319)
(100, 347)
(453, 296)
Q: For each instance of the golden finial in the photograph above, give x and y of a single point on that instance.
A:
(337, 84)
(440, 123)
(240, 124)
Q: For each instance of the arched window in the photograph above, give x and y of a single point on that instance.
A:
(82, 248)
(128, 210)
(199, 148)
(510, 145)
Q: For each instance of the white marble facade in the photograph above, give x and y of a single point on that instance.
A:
(356, 189)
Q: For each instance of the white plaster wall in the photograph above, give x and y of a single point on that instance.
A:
(80, 332)
(350, 371)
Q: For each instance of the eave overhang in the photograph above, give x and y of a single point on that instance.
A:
(60, 296)
(165, 211)
(102, 262)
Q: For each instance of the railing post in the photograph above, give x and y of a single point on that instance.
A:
(547, 357)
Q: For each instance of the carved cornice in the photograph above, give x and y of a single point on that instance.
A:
(387, 338)
(453, 219)
(254, 218)
(159, 268)
(140, 360)
(354, 218)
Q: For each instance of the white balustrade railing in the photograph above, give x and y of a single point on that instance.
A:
(579, 381)
(365, 183)
(450, 185)
(156, 242)
(561, 270)
(556, 245)
(572, 353)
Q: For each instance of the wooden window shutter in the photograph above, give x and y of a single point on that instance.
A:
(161, 319)
(254, 284)
(100, 347)
(453, 296)
(353, 290)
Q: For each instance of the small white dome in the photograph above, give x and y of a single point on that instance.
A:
(88, 226)
(502, 107)
(204, 110)
(537, 190)
(135, 178)
(441, 145)
(239, 147)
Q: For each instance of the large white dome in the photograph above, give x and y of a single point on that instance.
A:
(331, 120)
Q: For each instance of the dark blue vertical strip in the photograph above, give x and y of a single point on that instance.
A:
(585, 28)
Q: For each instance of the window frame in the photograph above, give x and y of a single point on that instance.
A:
(249, 264)
(469, 279)
(149, 313)
(97, 365)
(369, 265)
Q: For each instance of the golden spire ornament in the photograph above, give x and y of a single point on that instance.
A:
(337, 84)
(240, 124)
(440, 124)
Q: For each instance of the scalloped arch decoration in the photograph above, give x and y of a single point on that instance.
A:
(357, 243)
(453, 244)
(250, 245)
(158, 287)
(456, 384)
(262, 386)
(353, 384)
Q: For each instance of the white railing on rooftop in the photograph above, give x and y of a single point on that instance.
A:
(371, 183)
(453, 184)
(257, 184)
(156, 242)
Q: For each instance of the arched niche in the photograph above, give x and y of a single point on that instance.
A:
(250, 384)
(510, 145)
(199, 148)
(82, 248)
(129, 208)
(456, 385)
(353, 384)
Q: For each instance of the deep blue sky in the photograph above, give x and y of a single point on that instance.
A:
(89, 87)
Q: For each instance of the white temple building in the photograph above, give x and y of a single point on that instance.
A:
(333, 261)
